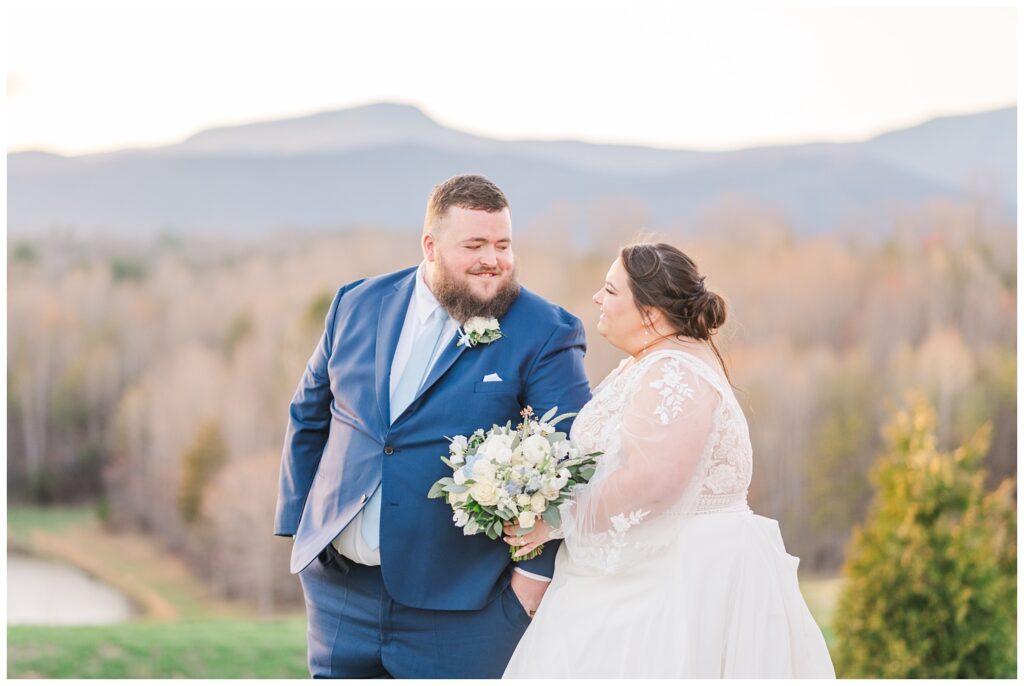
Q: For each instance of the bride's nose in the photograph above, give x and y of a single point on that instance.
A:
(597, 297)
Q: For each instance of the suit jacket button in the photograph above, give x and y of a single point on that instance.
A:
(362, 499)
(388, 450)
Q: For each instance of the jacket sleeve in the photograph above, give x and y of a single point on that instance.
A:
(557, 378)
(309, 422)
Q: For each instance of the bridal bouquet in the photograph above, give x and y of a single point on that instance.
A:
(512, 475)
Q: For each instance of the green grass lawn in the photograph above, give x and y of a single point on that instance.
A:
(212, 648)
(204, 638)
(23, 520)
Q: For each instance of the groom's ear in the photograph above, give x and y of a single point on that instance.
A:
(427, 243)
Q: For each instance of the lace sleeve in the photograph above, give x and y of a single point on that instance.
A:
(651, 476)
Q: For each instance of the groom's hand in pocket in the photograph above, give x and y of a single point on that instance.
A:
(528, 591)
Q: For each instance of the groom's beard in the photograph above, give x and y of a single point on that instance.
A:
(462, 304)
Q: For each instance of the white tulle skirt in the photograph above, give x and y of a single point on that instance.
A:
(722, 602)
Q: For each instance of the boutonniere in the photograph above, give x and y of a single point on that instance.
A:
(478, 330)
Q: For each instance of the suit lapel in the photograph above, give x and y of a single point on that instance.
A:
(393, 308)
(449, 353)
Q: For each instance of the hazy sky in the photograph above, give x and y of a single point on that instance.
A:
(89, 76)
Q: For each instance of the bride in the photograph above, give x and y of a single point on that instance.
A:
(664, 570)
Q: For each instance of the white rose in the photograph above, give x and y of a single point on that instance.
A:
(527, 520)
(496, 441)
(550, 490)
(479, 325)
(498, 449)
(536, 449)
(483, 470)
(485, 493)
(458, 498)
(524, 500)
(459, 476)
(461, 517)
(538, 503)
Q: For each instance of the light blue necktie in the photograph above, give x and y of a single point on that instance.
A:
(415, 372)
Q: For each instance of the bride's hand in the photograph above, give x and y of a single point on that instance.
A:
(530, 539)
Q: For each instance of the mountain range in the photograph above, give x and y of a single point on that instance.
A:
(375, 165)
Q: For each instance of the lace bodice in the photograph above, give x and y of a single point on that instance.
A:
(675, 443)
(725, 479)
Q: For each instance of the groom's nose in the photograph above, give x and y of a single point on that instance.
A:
(488, 258)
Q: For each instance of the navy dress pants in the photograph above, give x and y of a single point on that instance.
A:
(356, 630)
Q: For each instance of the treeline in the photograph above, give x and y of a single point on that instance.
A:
(154, 375)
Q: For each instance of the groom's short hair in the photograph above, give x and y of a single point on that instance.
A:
(468, 191)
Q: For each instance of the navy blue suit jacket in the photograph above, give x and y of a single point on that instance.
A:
(340, 445)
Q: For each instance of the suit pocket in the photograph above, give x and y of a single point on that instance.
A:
(513, 608)
(507, 386)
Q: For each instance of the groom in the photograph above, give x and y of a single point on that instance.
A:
(392, 586)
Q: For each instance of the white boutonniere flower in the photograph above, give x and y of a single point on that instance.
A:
(478, 330)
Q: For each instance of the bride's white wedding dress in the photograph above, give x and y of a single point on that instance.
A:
(664, 570)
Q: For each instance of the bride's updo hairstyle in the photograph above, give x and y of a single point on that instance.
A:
(662, 277)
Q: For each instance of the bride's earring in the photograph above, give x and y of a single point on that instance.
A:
(645, 340)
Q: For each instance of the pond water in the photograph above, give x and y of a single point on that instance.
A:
(46, 592)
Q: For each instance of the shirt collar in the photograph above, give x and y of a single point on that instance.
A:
(426, 303)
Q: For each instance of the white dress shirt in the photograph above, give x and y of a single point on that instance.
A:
(350, 541)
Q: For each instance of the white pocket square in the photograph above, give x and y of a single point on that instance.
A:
(493, 376)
